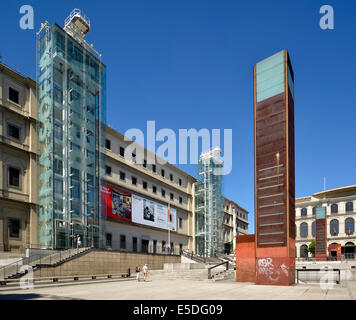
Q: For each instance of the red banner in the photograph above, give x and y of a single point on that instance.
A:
(116, 203)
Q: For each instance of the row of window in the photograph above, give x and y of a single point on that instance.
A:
(241, 225)
(13, 131)
(334, 208)
(14, 228)
(14, 177)
(334, 228)
(14, 95)
(122, 153)
(144, 244)
(240, 214)
(144, 184)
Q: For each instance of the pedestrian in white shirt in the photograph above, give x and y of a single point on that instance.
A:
(145, 272)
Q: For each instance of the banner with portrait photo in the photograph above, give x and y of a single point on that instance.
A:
(151, 213)
(116, 203)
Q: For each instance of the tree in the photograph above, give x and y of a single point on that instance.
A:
(228, 247)
(311, 247)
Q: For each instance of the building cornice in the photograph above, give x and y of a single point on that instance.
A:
(149, 153)
(23, 79)
(146, 172)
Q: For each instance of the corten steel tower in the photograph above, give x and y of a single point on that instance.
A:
(274, 170)
(72, 102)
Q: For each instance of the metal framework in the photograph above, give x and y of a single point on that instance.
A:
(77, 25)
(209, 205)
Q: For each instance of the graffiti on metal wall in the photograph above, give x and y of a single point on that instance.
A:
(271, 271)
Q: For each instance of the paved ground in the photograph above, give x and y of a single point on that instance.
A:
(182, 289)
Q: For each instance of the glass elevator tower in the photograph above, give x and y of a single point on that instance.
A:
(209, 206)
(72, 110)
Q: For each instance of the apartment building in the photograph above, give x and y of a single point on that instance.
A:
(143, 191)
(340, 206)
(18, 154)
(235, 221)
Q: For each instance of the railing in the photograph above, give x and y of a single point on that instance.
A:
(348, 256)
(344, 256)
(193, 257)
(218, 265)
(306, 259)
(319, 275)
(21, 266)
(65, 279)
(199, 259)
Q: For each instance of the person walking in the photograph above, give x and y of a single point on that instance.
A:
(145, 272)
(138, 270)
(79, 241)
(75, 241)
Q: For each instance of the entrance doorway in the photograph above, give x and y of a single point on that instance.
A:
(144, 246)
(348, 251)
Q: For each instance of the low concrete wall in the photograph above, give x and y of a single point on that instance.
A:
(347, 269)
(10, 255)
(107, 262)
(43, 252)
(5, 262)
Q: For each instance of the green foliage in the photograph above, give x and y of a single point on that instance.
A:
(311, 247)
(228, 247)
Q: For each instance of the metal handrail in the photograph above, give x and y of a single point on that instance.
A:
(193, 257)
(343, 257)
(218, 265)
(41, 259)
(322, 270)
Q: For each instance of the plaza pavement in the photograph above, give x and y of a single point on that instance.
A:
(182, 289)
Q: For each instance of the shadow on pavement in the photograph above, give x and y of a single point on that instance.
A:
(20, 296)
(33, 296)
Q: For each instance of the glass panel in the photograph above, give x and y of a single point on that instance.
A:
(270, 76)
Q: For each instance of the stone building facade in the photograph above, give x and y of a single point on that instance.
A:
(18, 154)
(340, 206)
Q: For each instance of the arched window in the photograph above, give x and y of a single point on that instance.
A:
(334, 227)
(303, 212)
(314, 211)
(313, 229)
(349, 226)
(334, 208)
(349, 206)
(304, 251)
(304, 230)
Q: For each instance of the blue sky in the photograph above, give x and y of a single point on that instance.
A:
(188, 64)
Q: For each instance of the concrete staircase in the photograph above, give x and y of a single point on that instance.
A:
(224, 275)
(191, 271)
(193, 274)
(18, 269)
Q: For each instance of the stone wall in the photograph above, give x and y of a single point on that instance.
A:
(107, 262)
